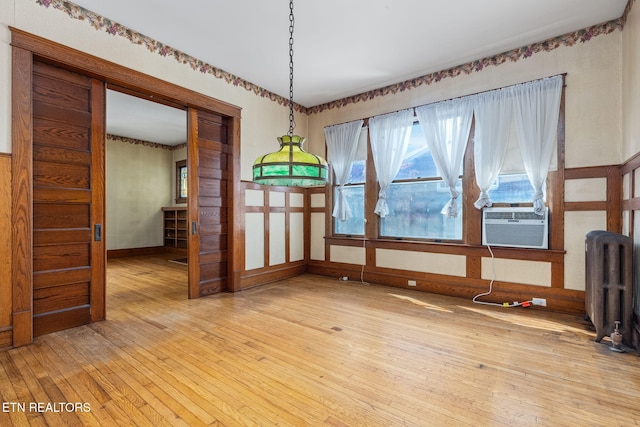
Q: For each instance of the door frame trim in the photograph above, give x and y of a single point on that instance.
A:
(25, 48)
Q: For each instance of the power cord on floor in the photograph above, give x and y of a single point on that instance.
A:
(345, 278)
(493, 278)
(364, 246)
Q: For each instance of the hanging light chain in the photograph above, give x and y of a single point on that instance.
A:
(291, 22)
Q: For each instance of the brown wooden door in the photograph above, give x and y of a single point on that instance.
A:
(208, 162)
(68, 199)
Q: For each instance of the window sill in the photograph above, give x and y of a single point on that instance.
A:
(454, 248)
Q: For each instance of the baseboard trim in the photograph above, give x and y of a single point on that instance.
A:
(6, 338)
(270, 275)
(129, 252)
(559, 300)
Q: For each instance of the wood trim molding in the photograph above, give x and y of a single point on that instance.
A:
(235, 206)
(6, 306)
(545, 255)
(114, 74)
(558, 299)
(267, 275)
(98, 194)
(21, 199)
(130, 252)
(588, 172)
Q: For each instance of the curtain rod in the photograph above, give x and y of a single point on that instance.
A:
(366, 119)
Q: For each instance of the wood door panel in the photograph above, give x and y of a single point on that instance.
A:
(213, 128)
(57, 237)
(59, 175)
(62, 277)
(45, 153)
(58, 257)
(54, 74)
(209, 158)
(214, 161)
(213, 243)
(53, 90)
(211, 215)
(214, 269)
(212, 173)
(213, 286)
(208, 229)
(60, 297)
(211, 187)
(62, 135)
(215, 202)
(61, 215)
(69, 117)
(68, 198)
(212, 257)
(58, 320)
(56, 195)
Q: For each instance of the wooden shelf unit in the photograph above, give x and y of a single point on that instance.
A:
(175, 227)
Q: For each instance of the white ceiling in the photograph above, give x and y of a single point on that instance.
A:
(145, 120)
(346, 47)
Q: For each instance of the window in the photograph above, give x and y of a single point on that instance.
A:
(354, 192)
(511, 188)
(417, 196)
(181, 181)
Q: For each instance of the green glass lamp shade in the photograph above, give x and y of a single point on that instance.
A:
(290, 166)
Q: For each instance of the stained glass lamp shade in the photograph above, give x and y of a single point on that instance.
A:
(290, 166)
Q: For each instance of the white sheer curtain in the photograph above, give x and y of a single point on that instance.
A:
(390, 135)
(492, 112)
(536, 109)
(446, 126)
(342, 145)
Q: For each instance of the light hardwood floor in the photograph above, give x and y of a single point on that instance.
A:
(314, 351)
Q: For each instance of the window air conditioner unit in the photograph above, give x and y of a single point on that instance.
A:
(515, 227)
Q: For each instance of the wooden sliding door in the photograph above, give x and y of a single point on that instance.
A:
(68, 199)
(209, 166)
(58, 129)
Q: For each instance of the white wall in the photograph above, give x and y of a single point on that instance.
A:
(139, 183)
(631, 84)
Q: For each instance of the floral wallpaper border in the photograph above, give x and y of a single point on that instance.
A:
(111, 137)
(113, 28)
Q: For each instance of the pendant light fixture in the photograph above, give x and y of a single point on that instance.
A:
(291, 165)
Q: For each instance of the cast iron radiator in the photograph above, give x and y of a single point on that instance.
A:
(609, 283)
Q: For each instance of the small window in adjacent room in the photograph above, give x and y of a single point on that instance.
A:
(181, 181)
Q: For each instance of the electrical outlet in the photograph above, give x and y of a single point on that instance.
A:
(411, 283)
(539, 301)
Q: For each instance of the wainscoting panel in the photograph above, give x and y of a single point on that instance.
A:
(274, 235)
